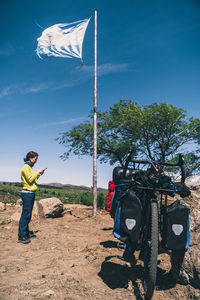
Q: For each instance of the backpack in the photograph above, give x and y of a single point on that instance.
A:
(108, 201)
(175, 231)
(111, 186)
(128, 215)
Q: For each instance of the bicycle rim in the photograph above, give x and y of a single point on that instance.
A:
(151, 253)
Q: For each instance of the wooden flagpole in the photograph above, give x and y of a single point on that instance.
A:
(95, 120)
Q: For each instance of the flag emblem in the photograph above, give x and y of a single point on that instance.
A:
(62, 40)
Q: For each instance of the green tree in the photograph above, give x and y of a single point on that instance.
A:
(115, 144)
(157, 131)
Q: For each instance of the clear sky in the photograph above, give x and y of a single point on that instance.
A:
(147, 51)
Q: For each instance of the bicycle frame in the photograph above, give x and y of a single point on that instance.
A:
(151, 215)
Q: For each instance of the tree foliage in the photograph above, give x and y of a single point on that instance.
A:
(157, 131)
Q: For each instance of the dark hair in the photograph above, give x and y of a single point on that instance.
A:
(30, 154)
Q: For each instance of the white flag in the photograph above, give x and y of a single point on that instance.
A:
(63, 40)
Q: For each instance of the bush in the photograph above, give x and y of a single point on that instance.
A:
(100, 200)
(86, 199)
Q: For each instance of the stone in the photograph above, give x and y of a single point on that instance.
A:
(2, 206)
(19, 202)
(7, 227)
(3, 269)
(52, 207)
(48, 293)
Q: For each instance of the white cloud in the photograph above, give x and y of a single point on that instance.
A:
(38, 88)
(103, 69)
(79, 75)
(69, 121)
(112, 68)
(10, 89)
(24, 89)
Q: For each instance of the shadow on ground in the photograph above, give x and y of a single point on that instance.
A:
(164, 280)
(118, 275)
(109, 244)
(107, 228)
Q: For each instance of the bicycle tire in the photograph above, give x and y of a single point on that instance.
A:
(151, 252)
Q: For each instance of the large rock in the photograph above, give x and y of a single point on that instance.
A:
(37, 211)
(186, 266)
(52, 207)
(48, 208)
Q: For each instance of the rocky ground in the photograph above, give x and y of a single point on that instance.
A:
(76, 257)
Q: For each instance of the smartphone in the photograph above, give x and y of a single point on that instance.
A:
(44, 169)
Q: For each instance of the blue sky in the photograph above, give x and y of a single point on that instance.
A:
(147, 51)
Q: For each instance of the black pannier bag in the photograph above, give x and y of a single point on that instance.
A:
(120, 188)
(127, 224)
(175, 230)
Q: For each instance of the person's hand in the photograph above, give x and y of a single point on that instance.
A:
(41, 171)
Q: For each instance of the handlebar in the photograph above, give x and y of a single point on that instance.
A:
(137, 187)
(180, 164)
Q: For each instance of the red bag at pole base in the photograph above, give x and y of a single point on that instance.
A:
(111, 186)
(109, 195)
(108, 201)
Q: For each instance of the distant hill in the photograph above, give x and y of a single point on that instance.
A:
(64, 186)
(57, 185)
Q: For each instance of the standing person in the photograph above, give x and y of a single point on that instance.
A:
(29, 182)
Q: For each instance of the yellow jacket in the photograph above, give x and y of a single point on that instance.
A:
(29, 178)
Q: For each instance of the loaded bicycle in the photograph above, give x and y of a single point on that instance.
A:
(141, 211)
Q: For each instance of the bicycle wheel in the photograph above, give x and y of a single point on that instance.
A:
(151, 252)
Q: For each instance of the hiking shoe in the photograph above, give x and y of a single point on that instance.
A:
(23, 240)
(31, 235)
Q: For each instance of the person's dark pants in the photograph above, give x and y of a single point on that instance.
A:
(28, 201)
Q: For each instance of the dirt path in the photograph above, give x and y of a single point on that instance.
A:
(76, 257)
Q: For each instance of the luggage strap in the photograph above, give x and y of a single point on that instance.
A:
(121, 246)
